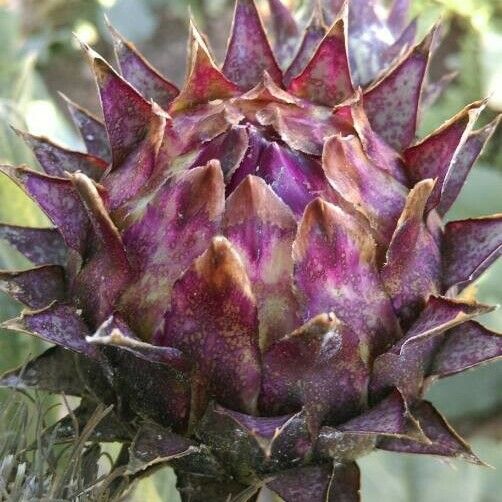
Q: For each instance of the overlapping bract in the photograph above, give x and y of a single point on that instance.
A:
(253, 268)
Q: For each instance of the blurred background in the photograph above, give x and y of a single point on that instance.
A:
(39, 57)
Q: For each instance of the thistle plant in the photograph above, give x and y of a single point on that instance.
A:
(253, 270)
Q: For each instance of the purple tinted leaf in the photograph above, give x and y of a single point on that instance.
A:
(382, 155)
(434, 156)
(405, 365)
(285, 28)
(401, 45)
(297, 129)
(339, 483)
(432, 91)
(197, 488)
(345, 483)
(229, 149)
(127, 179)
(157, 445)
(302, 484)
(55, 370)
(127, 114)
(250, 160)
(313, 34)
(110, 428)
(246, 444)
(440, 314)
(115, 332)
(106, 271)
(163, 396)
(398, 15)
(389, 418)
(295, 178)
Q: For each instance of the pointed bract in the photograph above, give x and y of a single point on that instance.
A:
(314, 33)
(412, 271)
(389, 418)
(249, 53)
(59, 324)
(154, 445)
(339, 483)
(55, 370)
(205, 82)
(252, 444)
(162, 241)
(114, 332)
(375, 192)
(128, 178)
(42, 246)
(440, 314)
(469, 248)
(434, 156)
(381, 154)
(167, 402)
(36, 288)
(406, 364)
(262, 229)
(326, 79)
(213, 320)
(398, 15)
(432, 91)
(229, 149)
(335, 270)
(140, 73)
(91, 129)
(295, 178)
(392, 102)
(57, 160)
(58, 199)
(465, 347)
(285, 29)
(126, 113)
(444, 440)
(106, 271)
(320, 366)
(462, 164)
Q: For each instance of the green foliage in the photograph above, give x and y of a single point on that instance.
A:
(33, 466)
